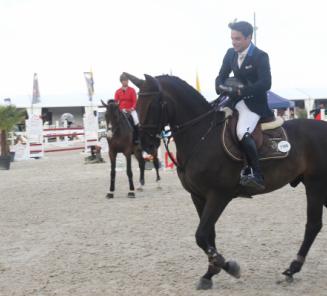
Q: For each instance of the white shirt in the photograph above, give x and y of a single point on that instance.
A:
(242, 55)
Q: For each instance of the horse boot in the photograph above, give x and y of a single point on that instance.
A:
(136, 137)
(255, 178)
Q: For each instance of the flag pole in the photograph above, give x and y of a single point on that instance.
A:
(254, 30)
(197, 81)
(36, 93)
(32, 101)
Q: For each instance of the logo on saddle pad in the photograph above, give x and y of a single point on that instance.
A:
(284, 146)
(271, 143)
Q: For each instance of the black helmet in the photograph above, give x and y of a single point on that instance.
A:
(123, 77)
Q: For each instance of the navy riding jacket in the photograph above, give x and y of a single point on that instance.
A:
(254, 74)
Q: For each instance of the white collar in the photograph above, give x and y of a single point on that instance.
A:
(245, 51)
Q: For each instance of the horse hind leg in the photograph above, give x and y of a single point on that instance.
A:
(315, 202)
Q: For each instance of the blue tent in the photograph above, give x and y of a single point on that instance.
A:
(277, 102)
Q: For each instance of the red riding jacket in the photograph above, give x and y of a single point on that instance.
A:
(126, 98)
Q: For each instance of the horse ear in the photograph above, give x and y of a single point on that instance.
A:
(138, 82)
(152, 81)
(104, 104)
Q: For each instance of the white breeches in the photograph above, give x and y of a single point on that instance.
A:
(247, 120)
(135, 117)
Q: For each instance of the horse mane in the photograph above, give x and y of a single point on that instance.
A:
(183, 87)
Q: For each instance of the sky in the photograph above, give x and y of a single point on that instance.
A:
(60, 39)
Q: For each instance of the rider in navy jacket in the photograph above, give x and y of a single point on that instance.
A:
(250, 65)
(254, 73)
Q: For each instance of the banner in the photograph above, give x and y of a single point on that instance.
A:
(89, 83)
(36, 91)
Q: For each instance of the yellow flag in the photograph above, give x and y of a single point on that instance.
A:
(197, 82)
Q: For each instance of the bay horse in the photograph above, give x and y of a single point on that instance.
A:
(120, 140)
(212, 177)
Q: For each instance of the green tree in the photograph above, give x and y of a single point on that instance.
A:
(9, 117)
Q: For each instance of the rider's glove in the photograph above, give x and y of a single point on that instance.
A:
(232, 91)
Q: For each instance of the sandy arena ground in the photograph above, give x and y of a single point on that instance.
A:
(61, 236)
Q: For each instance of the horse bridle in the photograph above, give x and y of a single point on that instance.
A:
(110, 126)
(157, 128)
(177, 129)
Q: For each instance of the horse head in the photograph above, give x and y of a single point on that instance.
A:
(112, 114)
(150, 110)
(112, 117)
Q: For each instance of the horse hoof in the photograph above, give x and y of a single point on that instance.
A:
(233, 268)
(110, 195)
(131, 195)
(204, 284)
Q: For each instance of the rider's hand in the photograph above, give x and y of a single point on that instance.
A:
(230, 90)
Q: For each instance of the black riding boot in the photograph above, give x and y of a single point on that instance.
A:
(255, 178)
(136, 137)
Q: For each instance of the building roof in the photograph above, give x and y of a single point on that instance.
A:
(62, 100)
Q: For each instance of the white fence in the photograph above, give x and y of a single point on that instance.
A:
(63, 139)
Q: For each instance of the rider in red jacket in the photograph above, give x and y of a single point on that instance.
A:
(126, 98)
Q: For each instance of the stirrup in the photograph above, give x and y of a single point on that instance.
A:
(246, 171)
(249, 179)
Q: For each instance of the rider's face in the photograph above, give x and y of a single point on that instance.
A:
(240, 43)
(124, 83)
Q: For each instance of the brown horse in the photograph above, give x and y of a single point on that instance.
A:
(212, 177)
(120, 140)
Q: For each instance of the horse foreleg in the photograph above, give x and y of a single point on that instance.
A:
(112, 156)
(130, 176)
(315, 201)
(156, 166)
(141, 161)
(205, 238)
(142, 169)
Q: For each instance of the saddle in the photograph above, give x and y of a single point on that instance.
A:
(269, 135)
